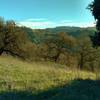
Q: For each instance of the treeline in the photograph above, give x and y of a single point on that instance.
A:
(75, 51)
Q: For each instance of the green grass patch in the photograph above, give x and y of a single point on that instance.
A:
(20, 80)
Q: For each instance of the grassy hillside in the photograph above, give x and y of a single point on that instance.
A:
(21, 80)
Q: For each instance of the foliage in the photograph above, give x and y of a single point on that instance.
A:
(53, 47)
(13, 39)
(88, 56)
(95, 9)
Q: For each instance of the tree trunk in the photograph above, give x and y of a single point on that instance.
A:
(57, 56)
(81, 62)
(1, 50)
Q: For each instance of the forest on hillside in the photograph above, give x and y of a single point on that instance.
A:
(70, 46)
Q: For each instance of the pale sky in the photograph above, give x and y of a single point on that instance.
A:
(47, 13)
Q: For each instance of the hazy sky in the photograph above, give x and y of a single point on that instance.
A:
(47, 13)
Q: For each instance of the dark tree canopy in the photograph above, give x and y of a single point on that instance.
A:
(95, 8)
(12, 38)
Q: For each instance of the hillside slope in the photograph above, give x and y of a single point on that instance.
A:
(21, 80)
(37, 35)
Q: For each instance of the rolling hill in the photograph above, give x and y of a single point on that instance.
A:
(37, 35)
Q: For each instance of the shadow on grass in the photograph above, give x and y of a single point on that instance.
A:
(77, 90)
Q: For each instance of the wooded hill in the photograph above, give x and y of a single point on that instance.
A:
(70, 46)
